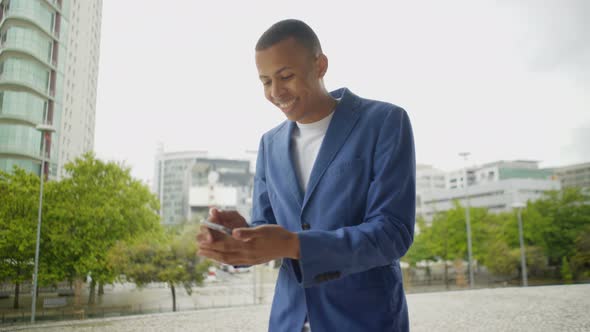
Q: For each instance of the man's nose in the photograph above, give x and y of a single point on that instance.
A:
(277, 90)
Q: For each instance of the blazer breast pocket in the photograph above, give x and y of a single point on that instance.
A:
(349, 167)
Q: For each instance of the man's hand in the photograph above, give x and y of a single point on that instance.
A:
(250, 246)
(229, 219)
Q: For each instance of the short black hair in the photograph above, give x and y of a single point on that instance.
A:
(290, 28)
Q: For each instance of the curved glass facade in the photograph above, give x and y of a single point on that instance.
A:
(25, 71)
(36, 11)
(27, 165)
(29, 40)
(15, 139)
(22, 105)
(36, 36)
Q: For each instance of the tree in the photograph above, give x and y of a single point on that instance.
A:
(419, 251)
(581, 258)
(499, 247)
(98, 204)
(555, 221)
(554, 227)
(18, 227)
(566, 272)
(446, 237)
(170, 258)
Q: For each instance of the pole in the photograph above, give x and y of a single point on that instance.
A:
(468, 223)
(35, 274)
(469, 250)
(522, 253)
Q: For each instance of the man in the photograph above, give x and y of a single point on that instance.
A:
(334, 197)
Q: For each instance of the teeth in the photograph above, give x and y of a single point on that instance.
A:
(286, 105)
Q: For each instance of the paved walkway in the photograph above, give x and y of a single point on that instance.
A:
(548, 308)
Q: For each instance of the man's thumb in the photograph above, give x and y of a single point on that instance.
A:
(214, 214)
(245, 233)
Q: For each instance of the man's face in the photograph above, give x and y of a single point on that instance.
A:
(291, 76)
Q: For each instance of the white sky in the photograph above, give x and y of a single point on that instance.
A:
(501, 79)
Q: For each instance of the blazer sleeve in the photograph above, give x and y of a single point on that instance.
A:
(387, 229)
(261, 209)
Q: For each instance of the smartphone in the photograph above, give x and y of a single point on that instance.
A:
(217, 227)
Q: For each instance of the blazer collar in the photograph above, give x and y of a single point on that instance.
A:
(340, 127)
(285, 160)
(344, 119)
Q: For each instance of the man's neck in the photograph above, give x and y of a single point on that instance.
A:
(325, 107)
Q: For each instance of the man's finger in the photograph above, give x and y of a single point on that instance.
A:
(212, 254)
(204, 235)
(203, 238)
(227, 258)
(246, 233)
(227, 245)
(214, 215)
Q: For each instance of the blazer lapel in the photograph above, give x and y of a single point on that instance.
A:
(285, 163)
(342, 123)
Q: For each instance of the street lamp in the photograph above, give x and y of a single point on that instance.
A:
(45, 129)
(518, 206)
(465, 155)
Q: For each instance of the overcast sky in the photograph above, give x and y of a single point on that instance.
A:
(501, 79)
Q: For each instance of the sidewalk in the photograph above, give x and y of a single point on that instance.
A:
(547, 308)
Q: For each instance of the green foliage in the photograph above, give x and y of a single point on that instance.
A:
(554, 227)
(84, 215)
(501, 259)
(555, 221)
(581, 259)
(19, 206)
(536, 260)
(446, 237)
(419, 250)
(97, 205)
(170, 258)
(566, 272)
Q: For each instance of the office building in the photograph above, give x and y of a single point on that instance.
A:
(495, 186)
(188, 183)
(577, 175)
(49, 53)
(429, 178)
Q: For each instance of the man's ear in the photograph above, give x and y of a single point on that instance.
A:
(322, 65)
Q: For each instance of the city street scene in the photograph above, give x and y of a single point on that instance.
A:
(189, 166)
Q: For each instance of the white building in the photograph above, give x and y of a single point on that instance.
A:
(429, 178)
(80, 81)
(495, 186)
(222, 194)
(495, 196)
(577, 175)
(188, 183)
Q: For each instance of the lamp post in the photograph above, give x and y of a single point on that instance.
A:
(465, 155)
(518, 206)
(44, 129)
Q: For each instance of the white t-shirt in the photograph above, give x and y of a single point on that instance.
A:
(306, 141)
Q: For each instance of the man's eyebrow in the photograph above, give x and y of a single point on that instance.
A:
(276, 72)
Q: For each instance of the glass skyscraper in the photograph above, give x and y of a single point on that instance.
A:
(38, 51)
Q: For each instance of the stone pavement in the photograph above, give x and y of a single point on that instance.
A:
(547, 308)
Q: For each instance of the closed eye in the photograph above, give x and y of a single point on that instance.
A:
(288, 77)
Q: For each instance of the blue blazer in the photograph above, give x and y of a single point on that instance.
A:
(354, 223)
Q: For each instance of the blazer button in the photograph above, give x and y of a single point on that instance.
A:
(305, 226)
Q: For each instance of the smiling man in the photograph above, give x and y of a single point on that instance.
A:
(334, 197)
